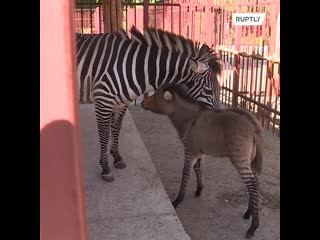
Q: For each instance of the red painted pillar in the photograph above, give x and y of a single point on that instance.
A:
(62, 214)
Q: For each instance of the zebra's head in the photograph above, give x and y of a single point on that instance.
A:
(203, 85)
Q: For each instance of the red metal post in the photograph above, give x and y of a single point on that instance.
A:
(145, 23)
(62, 214)
(145, 13)
(235, 87)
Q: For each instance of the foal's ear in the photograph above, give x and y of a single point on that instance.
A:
(168, 96)
(184, 87)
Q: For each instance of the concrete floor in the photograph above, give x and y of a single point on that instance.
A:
(133, 207)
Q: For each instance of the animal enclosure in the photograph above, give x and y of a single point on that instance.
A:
(250, 54)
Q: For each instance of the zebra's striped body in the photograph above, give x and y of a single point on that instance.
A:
(113, 70)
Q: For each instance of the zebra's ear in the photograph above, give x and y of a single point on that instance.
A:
(167, 95)
(193, 64)
(196, 66)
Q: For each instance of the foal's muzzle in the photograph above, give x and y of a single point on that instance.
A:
(142, 105)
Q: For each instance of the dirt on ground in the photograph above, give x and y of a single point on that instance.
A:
(217, 213)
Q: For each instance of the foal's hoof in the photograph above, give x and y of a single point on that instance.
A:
(198, 193)
(107, 177)
(249, 235)
(175, 204)
(120, 164)
(250, 232)
(246, 215)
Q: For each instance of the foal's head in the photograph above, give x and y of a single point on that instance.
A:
(164, 99)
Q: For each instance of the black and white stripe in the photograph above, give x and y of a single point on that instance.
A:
(114, 69)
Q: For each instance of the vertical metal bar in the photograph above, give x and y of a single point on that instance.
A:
(90, 15)
(227, 78)
(172, 28)
(251, 81)
(230, 97)
(163, 11)
(81, 13)
(255, 86)
(241, 82)
(223, 75)
(126, 15)
(235, 87)
(145, 13)
(135, 15)
(179, 19)
(145, 22)
(275, 115)
(260, 87)
(155, 15)
(99, 17)
(271, 96)
(265, 95)
(215, 28)
(242, 74)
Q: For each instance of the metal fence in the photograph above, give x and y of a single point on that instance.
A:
(88, 16)
(252, 82)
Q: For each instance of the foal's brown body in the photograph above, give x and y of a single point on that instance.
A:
(232, 133)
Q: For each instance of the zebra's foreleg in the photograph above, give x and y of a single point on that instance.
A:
(197, 170)
(104, 115)
(115, 131)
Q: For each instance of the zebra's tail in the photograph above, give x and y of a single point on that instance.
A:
(256, 163)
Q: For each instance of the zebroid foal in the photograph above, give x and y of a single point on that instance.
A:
(232, 133)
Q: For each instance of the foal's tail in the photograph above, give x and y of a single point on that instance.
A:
(256, 163)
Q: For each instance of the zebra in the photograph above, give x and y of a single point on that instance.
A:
(113, 70)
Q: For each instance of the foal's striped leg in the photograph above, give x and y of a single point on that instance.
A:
(115, 131)
(185, 176)
(197, 170)
(248, 213)
(251, 182)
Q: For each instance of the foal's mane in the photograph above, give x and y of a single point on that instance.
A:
(169, 40)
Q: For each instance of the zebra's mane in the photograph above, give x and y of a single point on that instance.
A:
(164, 39)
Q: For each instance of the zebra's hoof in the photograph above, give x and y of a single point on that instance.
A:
(120, 164)
(107, 177)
